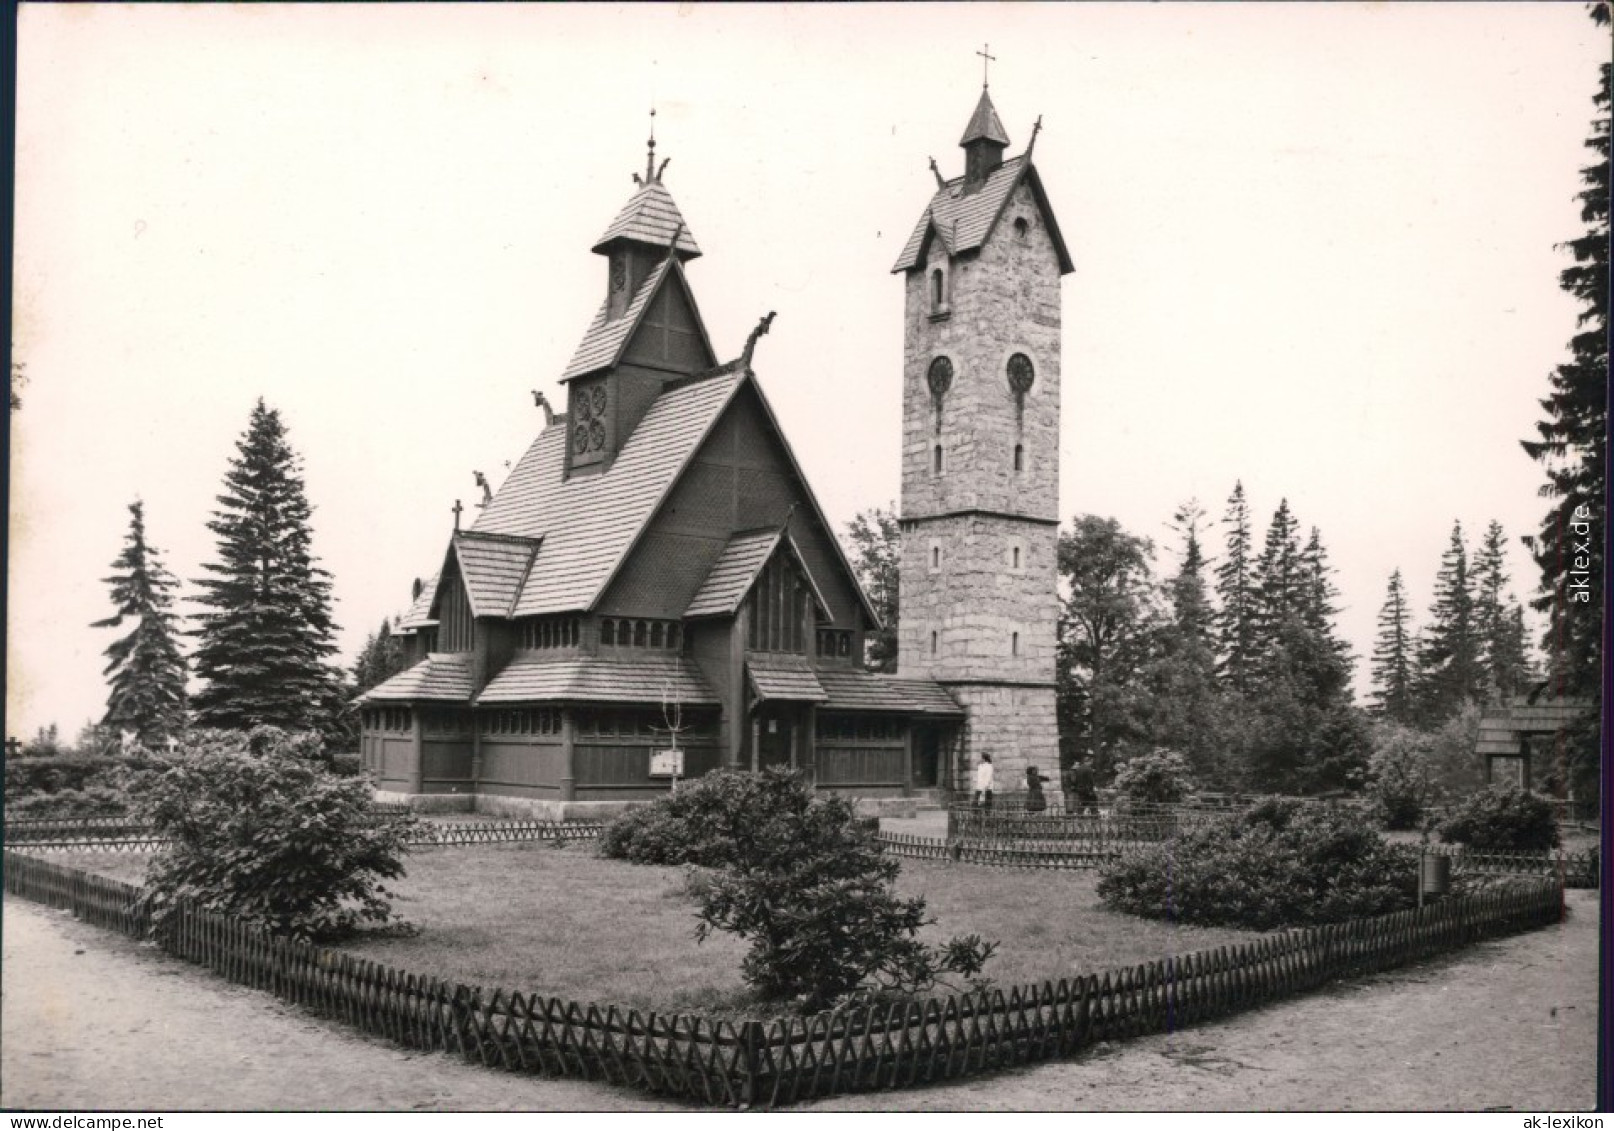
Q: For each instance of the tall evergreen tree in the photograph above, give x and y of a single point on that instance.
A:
(267, 638)
(1318, 597)
(1235, 587)
(1572, 446)
(381, 658)
(1498, 619)
(1394, 662)
(1281, 590)
(1449, 668)
(145, 668)
(1185, 707)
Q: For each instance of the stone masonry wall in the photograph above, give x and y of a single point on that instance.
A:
(1004, 300)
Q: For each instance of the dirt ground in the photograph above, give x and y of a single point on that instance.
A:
(93, 1020)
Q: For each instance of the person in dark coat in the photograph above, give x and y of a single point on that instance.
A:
(1036, 802)
(1081, 794)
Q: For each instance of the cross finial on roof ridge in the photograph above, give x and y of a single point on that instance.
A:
(987, 59)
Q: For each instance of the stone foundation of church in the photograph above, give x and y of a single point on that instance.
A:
(1016, 725)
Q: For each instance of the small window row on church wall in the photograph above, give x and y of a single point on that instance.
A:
(643, 633)
(449, 724)
(834, 642)
(391, 719)
(860, 728)
(651, 723)
(522, 721)
(551, 632)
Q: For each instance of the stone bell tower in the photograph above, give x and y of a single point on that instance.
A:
(980, 452)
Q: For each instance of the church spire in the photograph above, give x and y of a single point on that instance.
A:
(983, 142)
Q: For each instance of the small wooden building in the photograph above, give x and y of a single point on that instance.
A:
(1516, 738)
(656, 560)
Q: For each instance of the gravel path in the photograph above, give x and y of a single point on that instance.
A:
(89, 1019)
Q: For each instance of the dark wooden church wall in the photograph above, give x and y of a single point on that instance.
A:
(522, 767)
(455, 631)
(612, 759)
(739, 480)
(864, 754)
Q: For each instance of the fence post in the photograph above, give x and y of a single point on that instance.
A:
(750, 1038)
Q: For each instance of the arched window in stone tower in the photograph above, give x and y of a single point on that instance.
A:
(1022, 375)
(940, 378)
(938, 290)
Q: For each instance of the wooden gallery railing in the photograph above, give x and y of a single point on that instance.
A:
(788, 1060)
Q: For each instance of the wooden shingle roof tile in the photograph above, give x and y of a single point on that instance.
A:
(730, 577)
(650, 216)
(420, 612)
(606, 338)
(494, 569)
(588, 523)
(964, 220)
(785, 677)
(649, 678)
(441, 676)
(872, 691)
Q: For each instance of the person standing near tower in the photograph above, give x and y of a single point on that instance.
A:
(983, 783)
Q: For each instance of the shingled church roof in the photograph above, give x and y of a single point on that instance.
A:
(589, 522)
(963, 221)
(650, 216)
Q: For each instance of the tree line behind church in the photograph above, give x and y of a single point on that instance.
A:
(1230, 654)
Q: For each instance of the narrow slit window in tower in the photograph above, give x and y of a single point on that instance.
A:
(937, 467)
(1014, 639)
(932, 643)
(1019, 457)
(938, 289)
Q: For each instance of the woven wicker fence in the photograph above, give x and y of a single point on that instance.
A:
(89, 835)
(788, 1060)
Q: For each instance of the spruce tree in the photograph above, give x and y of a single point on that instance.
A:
(1498, 619)
(1318, 595)
(1186, 708)
(1394, 663)
(145, 668)
(1235, 587)
(267, 637)
(381, 658)
(1449, 668)
(1572, 447)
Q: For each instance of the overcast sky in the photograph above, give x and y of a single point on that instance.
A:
(1315, 251)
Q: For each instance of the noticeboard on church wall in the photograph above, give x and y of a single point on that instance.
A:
(666, 763)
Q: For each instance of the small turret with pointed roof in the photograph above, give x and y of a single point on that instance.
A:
(983, 142)
(647, 228)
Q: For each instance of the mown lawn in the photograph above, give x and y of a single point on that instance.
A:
(564, 921)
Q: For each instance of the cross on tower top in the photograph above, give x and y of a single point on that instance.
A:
(987, 59)
(458, 507)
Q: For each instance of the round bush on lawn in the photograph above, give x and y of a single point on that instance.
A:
(1503, 820)
(1278, 864)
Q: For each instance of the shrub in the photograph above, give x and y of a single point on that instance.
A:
(700, 824)
(261, 830)
(1278, 864)
(800, 877)
(808, 885)
(1401, 785)
(1160, 777)
(1503, 820)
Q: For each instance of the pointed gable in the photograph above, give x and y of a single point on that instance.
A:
(736, 571)
(965, 220)
(608, 339)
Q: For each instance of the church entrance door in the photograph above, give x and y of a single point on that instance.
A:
(776, 737)
(926, 757)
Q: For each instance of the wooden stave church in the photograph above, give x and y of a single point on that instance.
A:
(657, 558)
